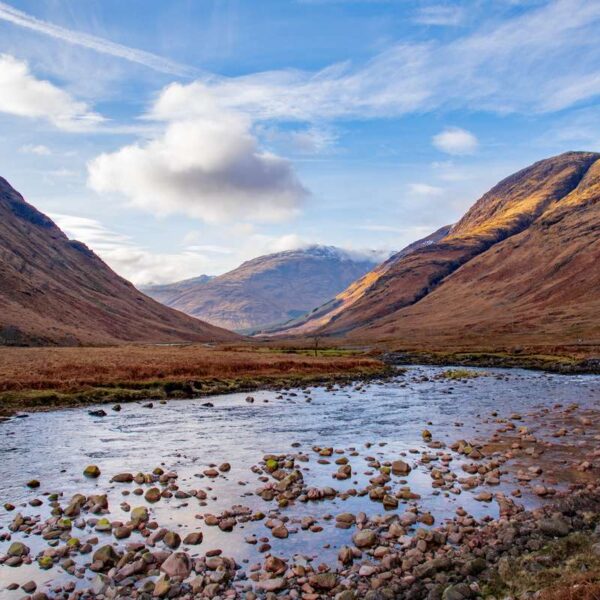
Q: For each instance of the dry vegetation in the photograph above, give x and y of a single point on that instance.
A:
(49, 377)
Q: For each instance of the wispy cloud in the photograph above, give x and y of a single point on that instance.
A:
(440, 15)
(425, 190)
(37, 149)
(98, 44)
(136, 263)
(543, 60)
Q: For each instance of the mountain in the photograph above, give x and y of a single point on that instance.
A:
(323, 314)
(266, 290)
(57, 291)
(169, 292)
(521, 267)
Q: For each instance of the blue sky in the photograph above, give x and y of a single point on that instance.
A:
(183, 137)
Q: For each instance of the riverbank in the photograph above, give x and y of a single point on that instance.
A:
(34, 379)
(567, 364)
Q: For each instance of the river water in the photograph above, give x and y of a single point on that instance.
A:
(380, 420)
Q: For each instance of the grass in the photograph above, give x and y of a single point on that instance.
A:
(461, 374)
(564, 569)
(39, 378)
(559, 362)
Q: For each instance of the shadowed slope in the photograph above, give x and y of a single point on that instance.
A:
(57, 291)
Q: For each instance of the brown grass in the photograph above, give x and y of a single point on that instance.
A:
(73, 369)
(583, 590)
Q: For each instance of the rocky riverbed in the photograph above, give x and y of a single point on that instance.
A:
(436, 484)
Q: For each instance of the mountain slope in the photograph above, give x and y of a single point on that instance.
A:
(522, 264)
(57, 291)
(356, 290)
(266, 290)
(169, 292)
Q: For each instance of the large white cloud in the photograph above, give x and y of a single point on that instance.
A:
(208, 167)
(23, 95)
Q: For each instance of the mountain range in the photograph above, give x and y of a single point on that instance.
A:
(267, 290)
(521, 267)
(54, 290)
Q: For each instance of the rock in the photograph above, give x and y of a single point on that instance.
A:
(162, 588)
(275, 565)
(554, 526)
(364, 538)
(99, 584)
(345, 555)
(193, 539)
(271, 465)
(460, 591)
(139, 515)
(103, 525)
(475, 567)
(177, 564)
(29, 587)
(123, 478)
(324, 581)
(122, 532)
(33, 484)
(92, 471)
(399, 467)
(389, 502)
(152, 495)
(225, 467)
(172, 539)
(107, 555)
(272, 585)
(45, 562)
(431, 567)
(280, 532)
(97, 413)
(18, 549)
(484, 497)
(227, 524)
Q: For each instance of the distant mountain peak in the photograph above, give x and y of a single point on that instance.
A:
(267, 289)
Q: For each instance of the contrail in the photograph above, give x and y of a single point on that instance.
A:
(152, 61)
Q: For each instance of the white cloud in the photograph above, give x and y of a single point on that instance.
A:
(440, 15)
(37, 149)
(542, 60)
(158, 63)
(454, 140)
(425, 190)
(23, 95)
(135, 263)
(208, 167)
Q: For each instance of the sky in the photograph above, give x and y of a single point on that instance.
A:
(181, 138)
